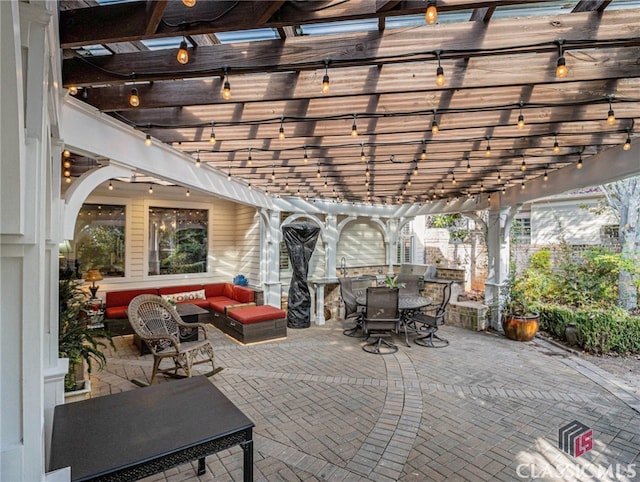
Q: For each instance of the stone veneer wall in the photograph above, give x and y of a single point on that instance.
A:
(468, 314)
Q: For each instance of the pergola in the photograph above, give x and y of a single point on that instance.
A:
(337, 108)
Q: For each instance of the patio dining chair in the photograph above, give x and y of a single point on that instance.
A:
(428, 321)
(381, 319)
(158, 324)
(351, 312)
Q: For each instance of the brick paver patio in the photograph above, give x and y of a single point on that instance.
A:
(483, 408)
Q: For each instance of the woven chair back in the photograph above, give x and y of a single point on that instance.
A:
(151, 315)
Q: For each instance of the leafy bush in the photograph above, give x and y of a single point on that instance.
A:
(599, 330)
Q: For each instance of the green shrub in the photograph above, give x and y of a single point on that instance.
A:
(600, 330)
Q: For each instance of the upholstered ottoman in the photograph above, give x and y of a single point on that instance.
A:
(253, 323)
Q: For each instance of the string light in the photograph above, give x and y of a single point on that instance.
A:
(546, 175)
(363, 158)
(431, 15)
(147, 140)
(305, 160)
(249, 158)
(281, 135)
(226, 89)
(523, 166)
(440, 80)
(189, 3)
(468, 166)
(188, 193)
(627, 144)
(423, 154)
(521, 118)
(434, 124)
(318, 175)
(487, 151)
(354, 127)
(198, 158)
(415, 168)
(73, 90)
(150, 189)
(212, 136)
(134, 99)
(325, 80)
(367, 173)
(273, 172)
(110, 186)
(453, 178)
(183, 55)
(556, 146)
(522, 186)
(66, 153)
(561, 66)
(229, 173)
(499, 176)
(579, 165)
(611, 116)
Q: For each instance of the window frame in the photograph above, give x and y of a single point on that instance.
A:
(174, 204)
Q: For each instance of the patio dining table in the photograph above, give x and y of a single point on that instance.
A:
(407, 305)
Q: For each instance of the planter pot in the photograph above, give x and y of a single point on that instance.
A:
(82, 393)
(520, 328)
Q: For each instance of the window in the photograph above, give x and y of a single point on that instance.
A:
(178, 240)
(99, 240)
(522, 230)
(405, 245)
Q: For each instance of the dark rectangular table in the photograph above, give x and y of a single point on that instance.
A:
(134, 434)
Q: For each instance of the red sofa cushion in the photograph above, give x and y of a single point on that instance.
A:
(242, 294)
(228, 290)
(214, 289)
(116, 312)
(256, 314)
(123, 298)
(169, 290)
(218, 303)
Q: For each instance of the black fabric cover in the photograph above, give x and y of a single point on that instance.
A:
(300, 239)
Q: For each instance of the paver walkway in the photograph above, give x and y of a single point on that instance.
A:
(483, 408)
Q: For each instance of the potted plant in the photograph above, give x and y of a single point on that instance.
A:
(519, 319)
(392, 282)
(76, 341)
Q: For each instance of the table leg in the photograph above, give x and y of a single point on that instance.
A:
(201, 468)
(247, 448)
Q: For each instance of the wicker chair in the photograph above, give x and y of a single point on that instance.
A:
(381, 318)
(157, 322)
(429, 321)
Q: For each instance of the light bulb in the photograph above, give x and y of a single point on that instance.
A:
(73, 90)
(546, 176)
(281, 135)
(67, 180)
(66, 153)
(423, 154)
(147, 140)
(440, 76)
(611, 117)
(110, 186)
(487, 152)
(134, 100)
(226, 90)
(363, 158)
(67, 173)
(431, 15)
(561, 69)
(468, 167)
(627, 144)
(183, 55)
(67, 164)
(434, 127)
(523, 166)
(325, 84)
(520, 121)
(354, 130)
(579, 165)
(556, 147)
(212, 136)
(187, 193)
(189, 3)
(150, 189)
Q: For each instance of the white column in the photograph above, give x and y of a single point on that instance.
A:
(28, 334)
(270, 268)
(330, 245)
(498, 228)
(391, 242)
